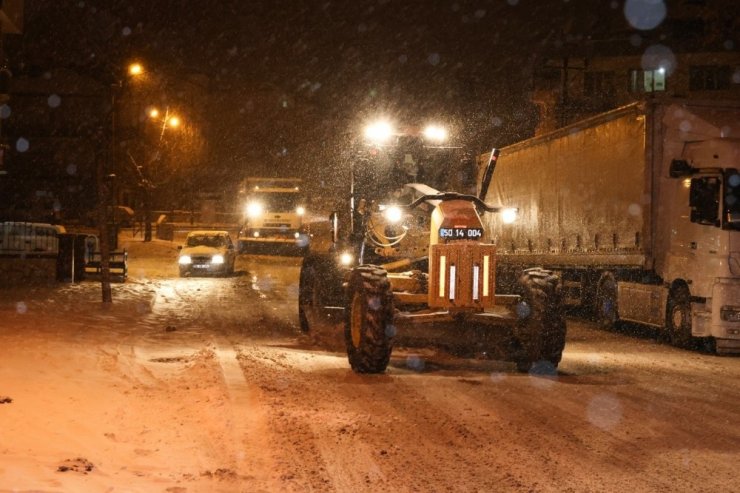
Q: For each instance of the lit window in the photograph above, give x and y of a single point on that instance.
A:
(647, 80)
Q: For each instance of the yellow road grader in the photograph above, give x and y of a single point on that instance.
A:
(410, 264)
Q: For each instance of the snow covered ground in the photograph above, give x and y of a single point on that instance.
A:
(205, 385)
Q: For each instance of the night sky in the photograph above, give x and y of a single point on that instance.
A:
(289, 80)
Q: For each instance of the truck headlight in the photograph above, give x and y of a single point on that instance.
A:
(184, 260)
(300, 210)
(346, 259)
(508, 216)
(217, 259)
(255, 209)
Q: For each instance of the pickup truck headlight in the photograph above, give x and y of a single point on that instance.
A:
(184, 260)
(217, 259)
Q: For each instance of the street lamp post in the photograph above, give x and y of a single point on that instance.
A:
(105, 186)
(167, 120)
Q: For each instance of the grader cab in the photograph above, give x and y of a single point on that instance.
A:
(420, 272)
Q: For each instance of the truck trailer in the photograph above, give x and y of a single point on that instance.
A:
(638, 211)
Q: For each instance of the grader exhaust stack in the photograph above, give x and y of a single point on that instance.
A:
(488, 174)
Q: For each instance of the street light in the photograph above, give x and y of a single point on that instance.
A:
(105, 185)
(135, 69)
(168, 120)
(171, 121)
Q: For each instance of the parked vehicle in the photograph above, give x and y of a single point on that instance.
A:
(207, 252)
(23, 238)
(273, 214)
(638, 211)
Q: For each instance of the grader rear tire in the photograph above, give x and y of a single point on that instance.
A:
(368, 328)
(541, 329)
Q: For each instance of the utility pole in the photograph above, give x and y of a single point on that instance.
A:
(101, 161)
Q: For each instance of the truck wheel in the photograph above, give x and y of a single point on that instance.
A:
(678, 318)
(368, 327)
(607, 314)
(319, 285)
(541, 329)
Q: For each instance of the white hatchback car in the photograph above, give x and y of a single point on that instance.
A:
(207, 252)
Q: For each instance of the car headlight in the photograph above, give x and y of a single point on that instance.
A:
(346, 258)
(300, 210)
(255, 209)
(217, 259)
(184, 260)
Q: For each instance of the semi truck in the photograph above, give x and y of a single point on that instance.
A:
(637, 210)
(273, 211)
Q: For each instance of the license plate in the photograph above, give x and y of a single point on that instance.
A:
(460, 233)
(199, 266)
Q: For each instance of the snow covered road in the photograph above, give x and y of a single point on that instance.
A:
(206, 385)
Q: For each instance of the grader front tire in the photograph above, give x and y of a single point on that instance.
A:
(368, 325)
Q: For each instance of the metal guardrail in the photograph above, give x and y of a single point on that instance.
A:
(118, 263)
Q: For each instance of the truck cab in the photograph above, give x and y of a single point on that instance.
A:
(273, 210)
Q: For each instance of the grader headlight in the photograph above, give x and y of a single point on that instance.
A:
(393, 214)
(379, 132)
(509, 216)
(435, 133)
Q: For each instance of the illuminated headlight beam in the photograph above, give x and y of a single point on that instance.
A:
(255, 209)
(393, 214)
(509, 216)
(435, 133)
(379, 132)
